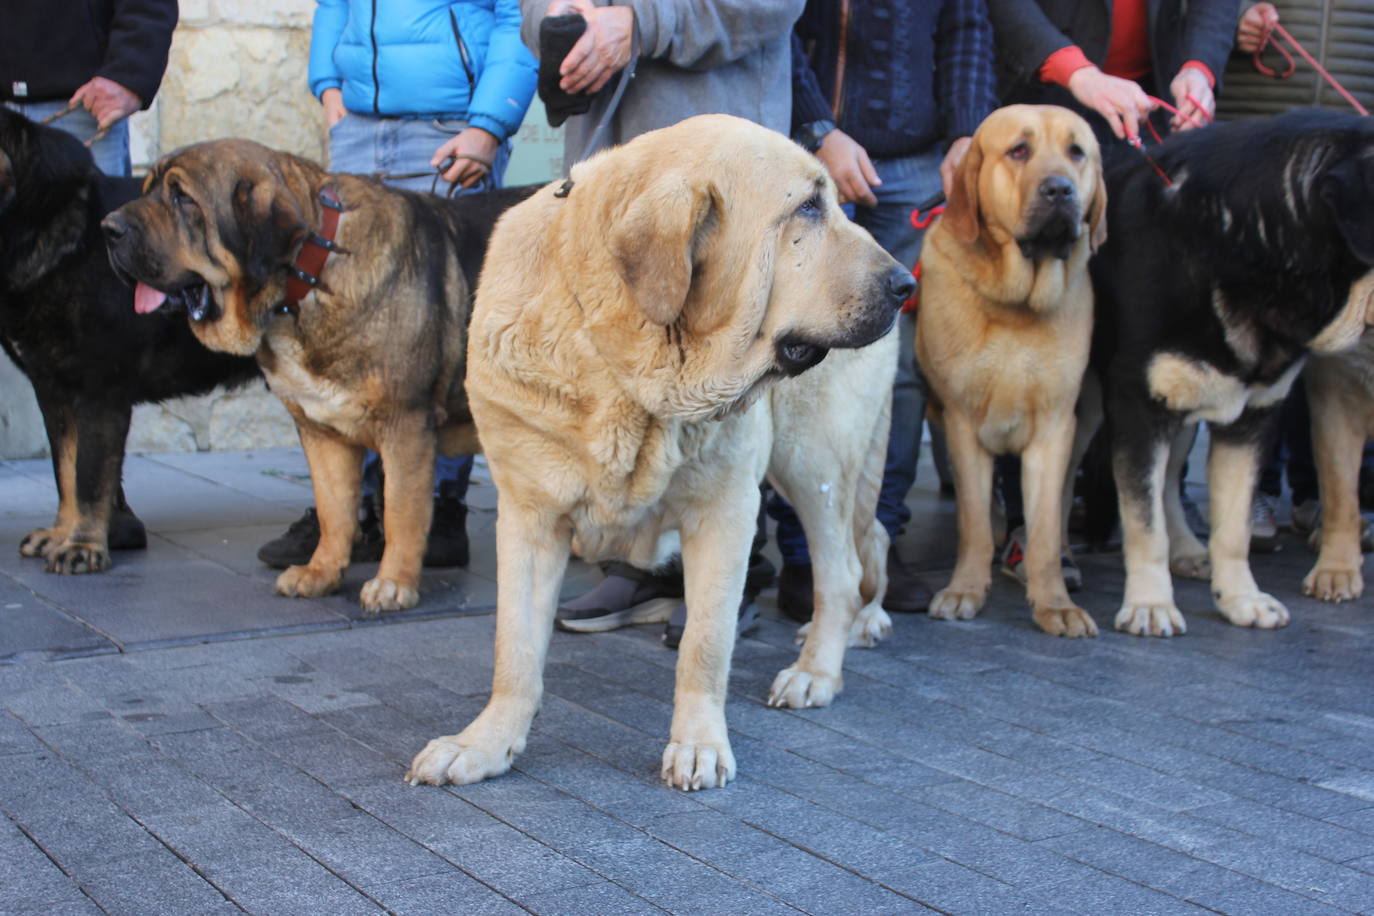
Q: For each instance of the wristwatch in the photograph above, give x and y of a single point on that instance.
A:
(812, 134)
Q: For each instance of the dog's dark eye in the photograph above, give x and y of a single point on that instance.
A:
(1020, 152)
(178, 196)
(811, 206)
(1076, 152)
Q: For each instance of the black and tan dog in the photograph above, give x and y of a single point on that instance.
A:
(1212, 289)
(371, 355)
(68, 322)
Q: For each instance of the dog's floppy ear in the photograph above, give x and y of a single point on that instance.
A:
(269, 223)
(1097, 208)
(961, 210)
(656, 240)
(1347, 189)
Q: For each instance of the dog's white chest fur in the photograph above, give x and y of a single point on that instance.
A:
(1202, 392)
(322, 401)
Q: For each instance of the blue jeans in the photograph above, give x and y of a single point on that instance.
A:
(908, 181)
(111, 152)
(368, 145)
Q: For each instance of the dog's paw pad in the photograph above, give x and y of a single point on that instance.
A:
(1255, 609)
(1070, 621)
(1329, 583)
(306, 582)
(388, 595)
(871, 626)
(1192, 566)
(1151, 620)
(74, 559)
(950, 604)
(698, 766)
(798, 689)
(449, 759)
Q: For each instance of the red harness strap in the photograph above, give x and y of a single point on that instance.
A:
(305, 271)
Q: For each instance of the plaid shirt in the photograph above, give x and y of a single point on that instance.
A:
(915, 73)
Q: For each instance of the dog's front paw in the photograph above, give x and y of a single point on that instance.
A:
(1192, 566)
(74, 558)
(870, 627)
(40, 541)
(307, 582)
(698, 766)
(460, 761)
(1068, 620)
(1255, 609)
(954, 604)
(798, 689)
(1333, 583)
(388, 595)
(1151, 620)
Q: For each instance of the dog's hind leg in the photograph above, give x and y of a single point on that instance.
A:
(408, 460)
(532, 547)
(336, 471)
(1232, 468)
(1187, 556)
(1337, 437)
(963, 598)
(1140, 462)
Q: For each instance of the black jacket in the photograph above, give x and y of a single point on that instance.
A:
(51, 48)
(1028, 31)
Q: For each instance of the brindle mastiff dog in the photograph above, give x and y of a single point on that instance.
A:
(371, 357)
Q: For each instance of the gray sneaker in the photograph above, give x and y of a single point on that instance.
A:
(1264, 524)
(1307, 516)
(620, 601)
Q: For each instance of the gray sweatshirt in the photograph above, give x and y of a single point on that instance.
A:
(696, 57)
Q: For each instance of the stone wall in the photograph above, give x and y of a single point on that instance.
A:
(237, 69)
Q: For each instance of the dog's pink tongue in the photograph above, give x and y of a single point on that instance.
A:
(147, 299)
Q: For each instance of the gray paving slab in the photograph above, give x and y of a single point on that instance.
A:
(246, 752)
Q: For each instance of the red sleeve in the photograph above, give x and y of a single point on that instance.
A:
(1206, 71)
(1062, 64)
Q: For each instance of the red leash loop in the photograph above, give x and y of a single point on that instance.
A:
(920, 220)
(1283, 33)
(923, 222)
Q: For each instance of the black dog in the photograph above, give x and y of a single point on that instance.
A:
(68, 322)
(1211, 290)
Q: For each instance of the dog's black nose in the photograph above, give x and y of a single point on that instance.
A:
(1056, 188)
(901, 284)
(114, 226)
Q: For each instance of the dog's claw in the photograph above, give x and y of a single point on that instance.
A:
(73, 559)
(1255, 609)
(952, 604)
(1151, 620)
(698, 766)
(798, 689)
(1070, 621)
(388, 595)
(1333, 583)
(307, 582)
(461, 762)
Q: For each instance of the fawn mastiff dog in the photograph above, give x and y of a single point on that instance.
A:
(625, 337)
(1003, 334)
(367, 352)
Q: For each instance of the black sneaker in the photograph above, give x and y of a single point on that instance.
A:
(297, 545)
(906, 593)
(620, 601)
(797, 592)
(448, 535)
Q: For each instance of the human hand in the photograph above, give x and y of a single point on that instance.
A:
(602, 51)
(1122, 102)
(949, 166)
(1254, 24)
(1193, 98)
(106, 100)
(334, 111)
(472, 142)
(849, 167)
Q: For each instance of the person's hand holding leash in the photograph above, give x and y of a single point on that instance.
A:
(1122, 102)
(1193, 98)
(472, 150)
(602, 51)
(106, 100)
(334, 111)
(1254, 24)
(850, 168)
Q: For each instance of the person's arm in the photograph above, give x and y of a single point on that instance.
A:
(1025, 36)
(135, 57)
(703, 34)
(965, 83)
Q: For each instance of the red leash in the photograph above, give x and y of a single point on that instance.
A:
(920, 221)
(1288, 71)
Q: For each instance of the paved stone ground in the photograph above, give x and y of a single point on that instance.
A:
(177, 740)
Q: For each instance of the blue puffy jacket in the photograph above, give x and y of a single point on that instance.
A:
(421, 58)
